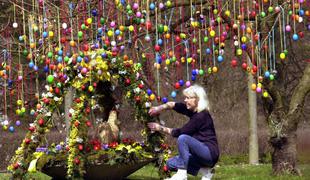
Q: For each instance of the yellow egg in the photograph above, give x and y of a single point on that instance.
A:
(89, 20)
(282, 56)
(166, 28)
(189, 60)
(244, 39)
(239, 52)
(253, 87)
(265, 94)
(212, 33)
(51, 34)
(110, 33)
(214, 69)
(152, 97)
(167, 61)
(131, 28)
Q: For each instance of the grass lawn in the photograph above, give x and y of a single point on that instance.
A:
(241, 172)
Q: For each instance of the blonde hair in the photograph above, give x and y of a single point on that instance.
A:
(199, 92)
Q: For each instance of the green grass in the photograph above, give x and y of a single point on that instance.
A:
(237, 172)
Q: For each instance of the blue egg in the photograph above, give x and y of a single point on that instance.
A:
(59, 59)
(94, 12)
(181, 82)
(79, 59)
(295, 37)
(243, 46)
(86, 59)
(149, 92)
(123, 2)
(194, 72)
(160, 42)
(220, 58)
(45, 69)
(11, 129)
(117, 32)
(31, 64)
(208, 51)
(103, 55)
(21, 38)
(164, 100)
(158, 59)
(173, 94)
(35, 68)
(152, 6)
(45, 34)
(100, 30)
(301, 12)
(60, 52)
(10, 82)
(267, 74)
(193, 78)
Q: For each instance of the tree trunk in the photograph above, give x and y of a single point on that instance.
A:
(284, 156)
(253, 140)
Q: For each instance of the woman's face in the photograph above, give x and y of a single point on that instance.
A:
(191, 102)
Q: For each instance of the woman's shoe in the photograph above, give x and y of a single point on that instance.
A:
(207, 173)
(180, 175)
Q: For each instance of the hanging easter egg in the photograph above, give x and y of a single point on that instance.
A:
(267, 74)
(32, 112)
(152, 97)
(239, 52)
(265, 94)
(80, 34)
(288, 28)
(271, 77)
(11, 129)
(173, 94)
(131, 28)
(295, 37)
(15, 25)
(50, 34)
(177, 85)
(152, 6)
(227, 13)
(17, 123)
(212, 33)
(214, 69)
(149, 92)
(258, 89)
(262, 14)
(201, 72)
(282, 55)
(234, 63)
(64, 25)
(50, 79)
(164, 99)
(220, 59)
(253, 86)
(89, 21)
(244, 66)
(160, 28)
(188, 84)
(31, 64)
(102, 21)
(168, 4)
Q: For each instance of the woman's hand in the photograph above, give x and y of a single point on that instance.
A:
(154, 126)
(155, 111)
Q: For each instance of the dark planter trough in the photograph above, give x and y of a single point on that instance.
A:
(96, 172)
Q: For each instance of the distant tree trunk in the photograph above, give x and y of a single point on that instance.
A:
(253, 140)
(283, 121)
(68, 103)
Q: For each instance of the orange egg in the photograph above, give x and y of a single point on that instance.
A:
(167, 36)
